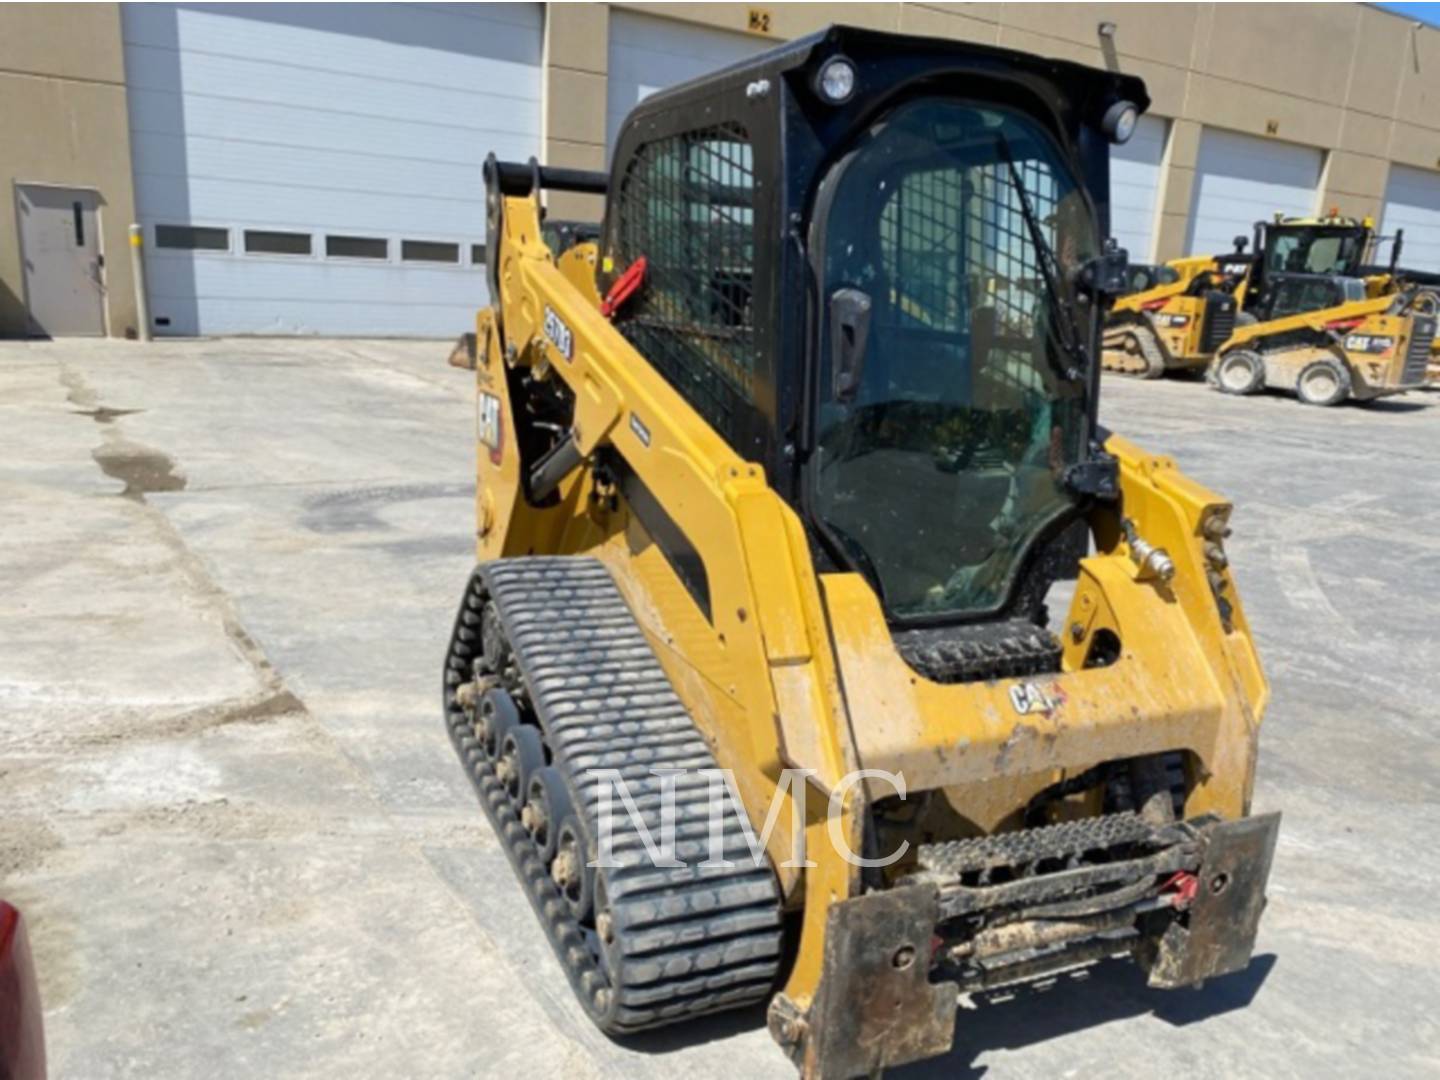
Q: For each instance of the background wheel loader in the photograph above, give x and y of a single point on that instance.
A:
(1358, 351)
(775, 477)
(1304, 278)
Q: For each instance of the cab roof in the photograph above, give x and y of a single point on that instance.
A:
(1089, 90)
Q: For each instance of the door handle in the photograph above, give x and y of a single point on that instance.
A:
(849, 334)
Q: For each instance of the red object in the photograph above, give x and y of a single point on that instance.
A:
(22, 1031)
(1185, 884)
(1154, 305)
(1344, 324)
(497, 452)
(624, 287)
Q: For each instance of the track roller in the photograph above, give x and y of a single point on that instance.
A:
(521, 753)
(494, 719)
(547, 803)
(571, 870)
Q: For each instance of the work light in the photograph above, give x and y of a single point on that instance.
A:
(1119, 121)
(835, 81)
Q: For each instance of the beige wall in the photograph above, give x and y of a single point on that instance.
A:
(1355, 81)
(63, 121)
(1359, 83)
(576, 59)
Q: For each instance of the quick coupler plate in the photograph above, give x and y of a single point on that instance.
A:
(1183, 899)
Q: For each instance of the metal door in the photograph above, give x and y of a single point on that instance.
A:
(1241, 179)
(1412, 203)
(432, 88)
(60, 246)
(1134, 186)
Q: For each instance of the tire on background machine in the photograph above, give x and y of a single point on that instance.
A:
(1247, 365)
(1324, 382)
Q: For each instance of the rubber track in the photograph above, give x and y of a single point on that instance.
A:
(1149, 343)
(688, 940)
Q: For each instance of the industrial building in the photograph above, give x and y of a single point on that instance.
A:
(315, 169)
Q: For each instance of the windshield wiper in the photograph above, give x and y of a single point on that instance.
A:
(1061, 323)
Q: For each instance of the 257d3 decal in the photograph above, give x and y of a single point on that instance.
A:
(559, 334)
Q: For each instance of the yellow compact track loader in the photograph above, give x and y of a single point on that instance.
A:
(777, 469)
(1174, 316)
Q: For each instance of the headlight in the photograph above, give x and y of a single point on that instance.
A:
(835, 81)
(1119, 121)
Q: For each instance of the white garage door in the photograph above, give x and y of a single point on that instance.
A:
(648, 54)
(315, 168)
(1134, 184)
(1242, 179)
(1412, 203)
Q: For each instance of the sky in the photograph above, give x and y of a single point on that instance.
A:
(1429, 13)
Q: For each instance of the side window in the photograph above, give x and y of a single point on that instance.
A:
(1324, 255)
(1284, 253)
(687, 206)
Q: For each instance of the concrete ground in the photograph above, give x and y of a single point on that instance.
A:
(227, 570)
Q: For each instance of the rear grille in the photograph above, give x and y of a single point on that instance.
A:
(1219, 321)
(1417, 357)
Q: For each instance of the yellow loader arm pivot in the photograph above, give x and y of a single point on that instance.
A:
(781, 469)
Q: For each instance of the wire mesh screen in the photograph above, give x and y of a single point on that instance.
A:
(950, 233)
(1005, 252)
(921, 243)
(954, 242)
(687, 204)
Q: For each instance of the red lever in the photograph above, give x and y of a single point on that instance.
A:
(1185, 884)
(624, 287)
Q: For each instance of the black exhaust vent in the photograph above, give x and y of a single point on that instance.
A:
(1219, 321)
(1417, 357)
